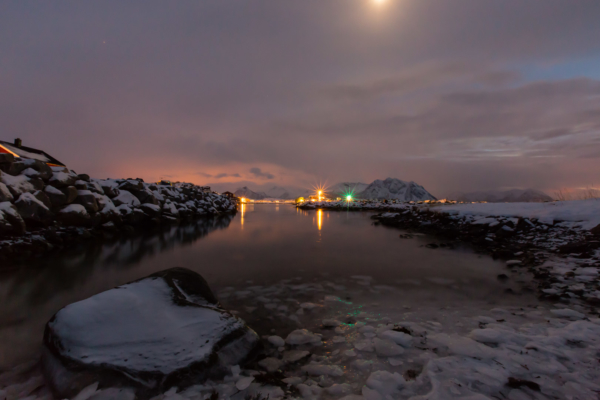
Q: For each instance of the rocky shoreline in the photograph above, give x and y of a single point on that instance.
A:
(562, 256)
(45, 208)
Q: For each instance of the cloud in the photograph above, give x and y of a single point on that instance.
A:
(259, 174)
(225, 175)
(204, 174)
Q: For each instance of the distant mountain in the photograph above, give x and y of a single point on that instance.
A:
(392, 188)
(343, 188)
(277, 192)
(509, 196)
(249, 194)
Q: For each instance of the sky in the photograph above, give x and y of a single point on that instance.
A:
(459, 95)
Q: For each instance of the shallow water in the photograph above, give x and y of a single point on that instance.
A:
(283, 255)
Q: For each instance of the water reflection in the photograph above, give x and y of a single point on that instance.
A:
(31, 293)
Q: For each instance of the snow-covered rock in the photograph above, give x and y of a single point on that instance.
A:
(17, 184)
(32, 209)
(396, 189)
(10, 219)
(159, 332)
(74, 214)
(126, 197)
(302, 336)
(508, 196)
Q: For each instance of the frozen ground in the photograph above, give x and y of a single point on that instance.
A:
(354, 339)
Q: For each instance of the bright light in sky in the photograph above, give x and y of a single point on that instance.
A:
(379, 2)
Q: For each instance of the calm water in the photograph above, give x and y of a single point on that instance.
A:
(262, 245)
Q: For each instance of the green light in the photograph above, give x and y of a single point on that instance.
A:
(348, 198)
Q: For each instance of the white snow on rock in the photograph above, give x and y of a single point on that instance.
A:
(382, 385)
(567, 313)
(74, 208)
(19, 183)
(302, 336)
(276, 341)
(400, 338)
(126, 198)
(586, 213)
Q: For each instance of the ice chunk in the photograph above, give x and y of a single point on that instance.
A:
(567, 313)
(387, 348)
(244, 382)
(385, 383)
(302, 336)
(400, 338)
(276, 341)
(321, 369)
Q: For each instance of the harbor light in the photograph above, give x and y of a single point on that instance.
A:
(243, 199)
(348, 198)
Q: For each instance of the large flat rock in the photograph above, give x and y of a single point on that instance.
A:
(152, 334)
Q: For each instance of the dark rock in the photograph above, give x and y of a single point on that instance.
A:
(145, 196)
(11, 221)
(33, 210)
(131, 186)
(6, 158)
(88, 200)
(70, 193)
(37, 183)
(5, 194)
(596, 230)
(63, 179)
(84, 177)
(432, 246)
(151, 210)
(57, 197)
(502, 277)
(74, 215)
(121, 338)
(109, 190)
(41, 196)
(81, 185)
(517, 383)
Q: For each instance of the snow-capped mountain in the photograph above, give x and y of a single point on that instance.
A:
(343, 188)
(249, 194)
(392, 188)
(508, 196)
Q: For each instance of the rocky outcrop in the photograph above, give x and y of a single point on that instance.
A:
(159, 332)
(45, 196)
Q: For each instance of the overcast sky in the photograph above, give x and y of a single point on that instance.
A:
(456, 95)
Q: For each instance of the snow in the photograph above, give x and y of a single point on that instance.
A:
(19, 183)
(26, 154)
(74, 208)
(276, 341)
(128, 334)
(30, 198)
(127, 198)
(320, 369)
(302, 336)
(395, 189)
(52, 190)
(585, 212)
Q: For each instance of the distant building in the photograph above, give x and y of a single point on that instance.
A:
(229, 195)
(18, 150)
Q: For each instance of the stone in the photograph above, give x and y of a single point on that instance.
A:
(32, 210)
(43, 197)
(596, 230)
(145, 196)
(131, 185)
(70, 193)
(166, 330)
(74, 215)
(5, 194)
(12, 223)
(126, 197)
(37, 183)
(152, 210)
(57, 197)
(17, 184)
(88, 200)
(62, 179)
(110, 188)
(84, 177)
(81, 185)
(6, 158)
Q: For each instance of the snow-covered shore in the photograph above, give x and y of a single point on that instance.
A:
(324, 346)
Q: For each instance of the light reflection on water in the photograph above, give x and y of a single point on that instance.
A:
(263, 245)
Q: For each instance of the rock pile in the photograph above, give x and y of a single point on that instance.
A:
(35, 196)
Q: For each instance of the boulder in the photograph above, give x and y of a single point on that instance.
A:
(5, 194)
(109, 187)
(17, 184)
(42, 169)
(12, 221)
(166, 330)
(57, 198)
(145, 196)
(32, 210)
(152, 210)
(70, 193)
(74, 215)
(81, 185)
(596, 230)
(88, 200)
(131, 185)
(126, 197)
(43, 197)
(6, 158)
(84, 177)
(63, 179)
